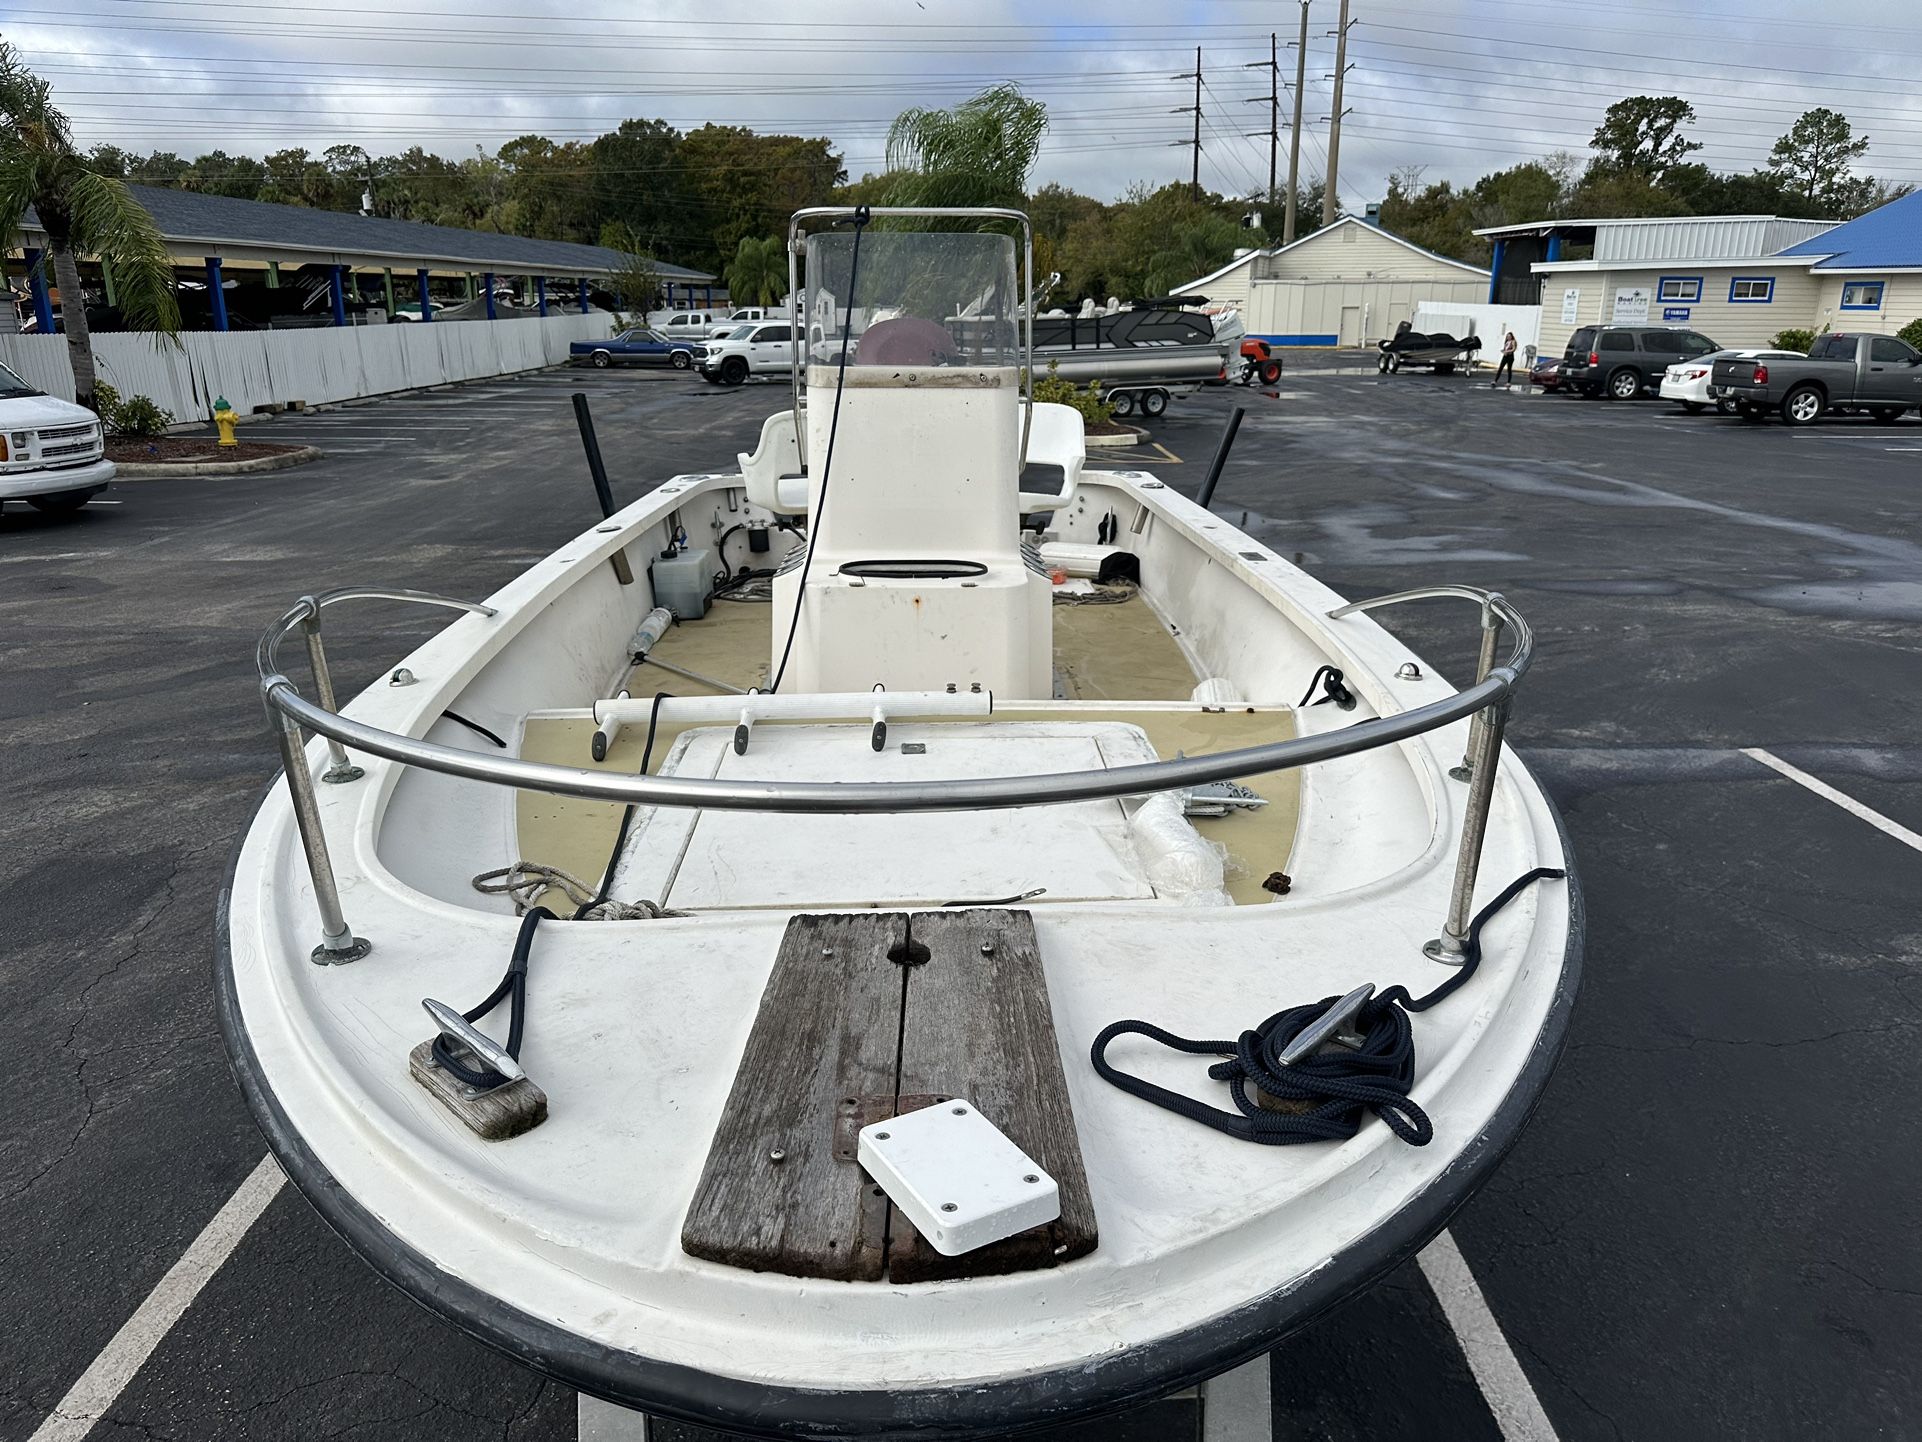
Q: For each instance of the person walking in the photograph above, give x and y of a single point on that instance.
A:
(1506, 370)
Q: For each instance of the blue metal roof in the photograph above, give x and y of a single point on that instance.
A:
(1887, 238)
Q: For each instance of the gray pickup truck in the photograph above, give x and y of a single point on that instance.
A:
(1874, 373)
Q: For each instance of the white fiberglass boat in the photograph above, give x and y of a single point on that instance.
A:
(808, 1113)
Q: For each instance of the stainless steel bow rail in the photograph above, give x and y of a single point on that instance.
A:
(1487, 701)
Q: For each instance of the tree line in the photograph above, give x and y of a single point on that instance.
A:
(1641, 167)
(688, 198)
(695, 197)
(718, 197)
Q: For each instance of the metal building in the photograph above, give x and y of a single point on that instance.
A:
(1347, 284)
(244, 262)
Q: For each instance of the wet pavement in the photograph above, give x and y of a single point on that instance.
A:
(1707, 1231)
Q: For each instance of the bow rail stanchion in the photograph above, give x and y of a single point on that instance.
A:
(338, 943)
(1484, 751)
(339, 768)
(1485, 743)
(337, 940)
(1491, 636)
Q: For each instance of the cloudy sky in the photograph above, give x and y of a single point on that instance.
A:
(1456, 86)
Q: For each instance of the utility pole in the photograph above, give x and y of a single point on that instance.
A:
(1331, 193)
(1194, 175)
(1294, 144)
(1273, 66)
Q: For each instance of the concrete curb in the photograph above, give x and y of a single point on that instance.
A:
(1136, 436)
(185, 470)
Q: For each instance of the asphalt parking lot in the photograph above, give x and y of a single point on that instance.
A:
(1709, 1229)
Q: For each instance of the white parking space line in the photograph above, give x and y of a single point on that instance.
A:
(1505, 1386)
(1237, 1406)
(1828, 793)
(101, 1384)
(1903, 450)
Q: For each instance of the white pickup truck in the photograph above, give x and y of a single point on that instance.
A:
(52, 453)
(764, 349)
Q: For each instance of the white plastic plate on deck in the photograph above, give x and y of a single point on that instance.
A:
(957, 1176)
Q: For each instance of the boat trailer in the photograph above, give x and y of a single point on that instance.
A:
(1440, 352)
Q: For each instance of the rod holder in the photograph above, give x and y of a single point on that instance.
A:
(338, 944)
(597, 469)
(1221, 457)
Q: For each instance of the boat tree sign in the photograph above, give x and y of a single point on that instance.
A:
(1631, 304)
(1571, 305)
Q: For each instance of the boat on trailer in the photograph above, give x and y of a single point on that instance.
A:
(1438, 350)
(745, 967)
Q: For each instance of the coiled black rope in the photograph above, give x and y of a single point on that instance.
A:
(1331, 1089)
(512, 985)
(1333, 688)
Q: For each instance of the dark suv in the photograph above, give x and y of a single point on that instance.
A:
(1622, 361)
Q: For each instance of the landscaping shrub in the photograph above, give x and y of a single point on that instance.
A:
(1794, 340)
(141, 417)
(1053, 390)
(136, 417)
(1912, 333)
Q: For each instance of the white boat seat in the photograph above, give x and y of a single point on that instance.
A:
(1055, 438)
(773, 473)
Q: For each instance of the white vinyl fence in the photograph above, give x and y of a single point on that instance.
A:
(310, 366)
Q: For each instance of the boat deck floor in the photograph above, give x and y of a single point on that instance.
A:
(1121, 654)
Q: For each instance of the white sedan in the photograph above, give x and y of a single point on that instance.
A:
(1688, 381)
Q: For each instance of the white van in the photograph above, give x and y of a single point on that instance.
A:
(52, 453)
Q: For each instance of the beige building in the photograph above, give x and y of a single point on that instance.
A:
(1347, 284)
(1738, 279)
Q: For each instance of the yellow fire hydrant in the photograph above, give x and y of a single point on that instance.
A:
(226, 420)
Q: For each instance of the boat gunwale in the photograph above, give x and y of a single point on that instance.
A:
(1089, 1389)
(279, 692)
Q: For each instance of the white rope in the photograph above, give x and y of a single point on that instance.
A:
(527, 881)
(1097, 595)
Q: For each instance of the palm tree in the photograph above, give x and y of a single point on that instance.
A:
(758, 273)
(1196, 246)
(978, 153)
(80, 210)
